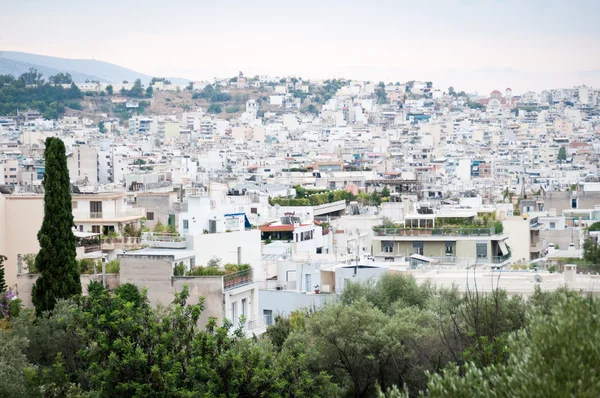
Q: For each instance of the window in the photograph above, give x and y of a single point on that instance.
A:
(12, 169)
(150, 216)
(96, 229)
(13, 176)
(418, 248)
(574, 203)
(449, 248)
(268, 317)
(308, 279)
(186, 224)
(253, 210)
(96, 209)
(482, 248)
(387, 246)
(244, 305)
(80, 228)
(552, 225)
(234, 313)
(74, 204)
(192, 262)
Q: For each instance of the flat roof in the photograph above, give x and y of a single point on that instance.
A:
(177, 254)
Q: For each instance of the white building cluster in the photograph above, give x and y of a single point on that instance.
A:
(316, 184)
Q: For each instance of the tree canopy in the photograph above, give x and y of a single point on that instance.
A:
(30, 92)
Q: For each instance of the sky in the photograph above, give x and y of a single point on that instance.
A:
(472, 45)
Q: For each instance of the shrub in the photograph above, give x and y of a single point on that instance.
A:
(113, 267)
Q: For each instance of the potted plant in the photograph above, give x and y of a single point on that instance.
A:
(317, 289)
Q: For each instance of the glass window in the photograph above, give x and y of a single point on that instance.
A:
(449, 248)
(418, 248)
(150, 215)
(234, 313)
(387, 246)
(186, 224)
(482, 248)
(268, 317)
(308, 279)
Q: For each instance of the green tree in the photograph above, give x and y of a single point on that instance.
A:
(360, 346)
(61, 78)
(562, 154)
(558, 355)
(591, 251)
(59, 275)
(214, 108)
(3, 286)
(109, 89)
(385, 192)
(149, 92)
(32, 77)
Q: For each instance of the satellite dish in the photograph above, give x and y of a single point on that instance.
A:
(537, 278)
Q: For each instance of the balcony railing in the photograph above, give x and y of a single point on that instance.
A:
(257, 326)
(238, 279)
(468, 261)
(124, 243)
(435, 232)
(92, 248)
(164, 240)
(89, 215)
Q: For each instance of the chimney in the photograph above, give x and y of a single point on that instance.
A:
(569, 273)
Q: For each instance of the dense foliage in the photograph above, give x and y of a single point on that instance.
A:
(308, 198)
(29, 91)
(59, 273)
(408, 339)
(388, 338)
(116, 345)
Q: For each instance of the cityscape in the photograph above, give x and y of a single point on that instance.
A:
(283, 235)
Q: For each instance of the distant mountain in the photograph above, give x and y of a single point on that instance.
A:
(16, 68)
(15, 63)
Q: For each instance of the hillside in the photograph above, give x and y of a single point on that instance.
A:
(15, 63)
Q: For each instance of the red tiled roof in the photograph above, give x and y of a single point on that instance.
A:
(277, 228)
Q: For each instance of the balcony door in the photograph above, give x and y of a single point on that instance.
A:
(95, 209)
(418, 248)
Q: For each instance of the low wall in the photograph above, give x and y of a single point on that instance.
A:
(25, 284)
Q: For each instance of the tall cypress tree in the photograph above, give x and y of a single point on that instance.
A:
(59, 273)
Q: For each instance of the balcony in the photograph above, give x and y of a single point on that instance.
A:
(92, 248)
(108, 216)
(256, 326)
(164, 240)
(122, 243)
(464, 262)
(237, 279)
(434, 231)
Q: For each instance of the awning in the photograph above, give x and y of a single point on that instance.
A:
(423, 258)
(83, 235)
(503, 248)
(246, 221)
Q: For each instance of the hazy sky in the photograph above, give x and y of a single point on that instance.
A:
(470, 44)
